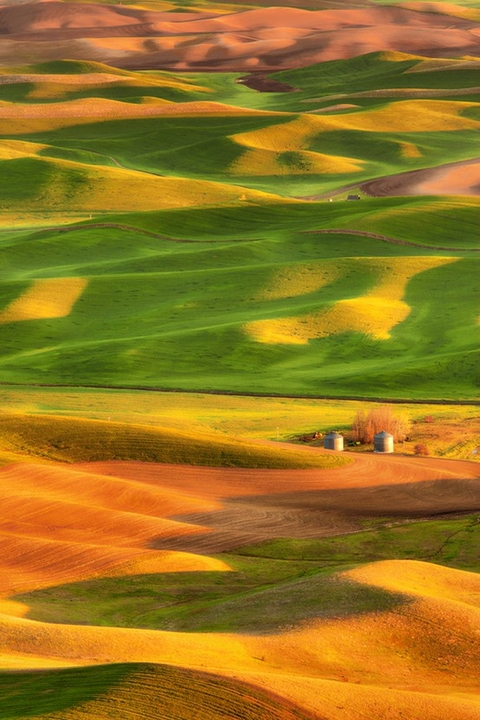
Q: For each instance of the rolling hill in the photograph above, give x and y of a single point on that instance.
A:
(331, 311)
(248, 628)
(225, 230)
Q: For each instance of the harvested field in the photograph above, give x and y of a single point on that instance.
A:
(386, 661)
(265, 504)
(459, 178)
(375, 646)
(58, 524)
(367, 469)
(100, 515)
(321, 514)
(254, 40)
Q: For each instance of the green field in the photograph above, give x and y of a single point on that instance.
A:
(159, 312)
(440, 127)
(196, 265)
(45, 424)
(60, 439)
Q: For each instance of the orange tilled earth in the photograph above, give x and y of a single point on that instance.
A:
(269, 38)
(418, 660)
(460, 178)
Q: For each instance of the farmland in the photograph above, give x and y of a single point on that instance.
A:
(176, 202)
(225, 231)
(219, 326)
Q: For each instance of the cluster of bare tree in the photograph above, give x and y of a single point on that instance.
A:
(366, 425)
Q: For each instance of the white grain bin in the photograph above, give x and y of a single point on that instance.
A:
(333, 441)
(383, 442)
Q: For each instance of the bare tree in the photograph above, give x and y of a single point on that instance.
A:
(359, 426)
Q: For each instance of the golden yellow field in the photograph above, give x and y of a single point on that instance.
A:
(105, 188)
(402, 116)
(374, 314)
(49, 298)
(18, 119)
(260, 161)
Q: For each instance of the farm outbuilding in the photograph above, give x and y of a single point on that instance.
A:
(333, 441)
(383, 442)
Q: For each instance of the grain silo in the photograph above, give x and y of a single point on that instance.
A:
(383, 442)
(333, 441)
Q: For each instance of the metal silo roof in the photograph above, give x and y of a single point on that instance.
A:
(383, 434)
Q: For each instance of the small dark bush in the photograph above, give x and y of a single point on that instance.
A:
(421, 449)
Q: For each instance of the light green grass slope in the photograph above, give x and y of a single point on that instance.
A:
(233, 291)
(174, 300)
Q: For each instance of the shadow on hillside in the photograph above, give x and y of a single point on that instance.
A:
(211, 601)
(321, 513)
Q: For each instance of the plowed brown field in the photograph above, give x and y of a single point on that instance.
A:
(262, 504)
(256, 39)
(62, 523)
(461, 178)
(418, 659)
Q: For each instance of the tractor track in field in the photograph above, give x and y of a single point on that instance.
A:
(323, 231)
(128, 228)
(116, 226)
(386, 238)
(231, 393)
(118, 164)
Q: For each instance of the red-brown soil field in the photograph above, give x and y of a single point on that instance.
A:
(67, 522)
(256, 39)
(462, 178)
(310, 503)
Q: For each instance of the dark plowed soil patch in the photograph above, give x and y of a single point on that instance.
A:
(249, 520)
(264, 83)
(258, 505)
